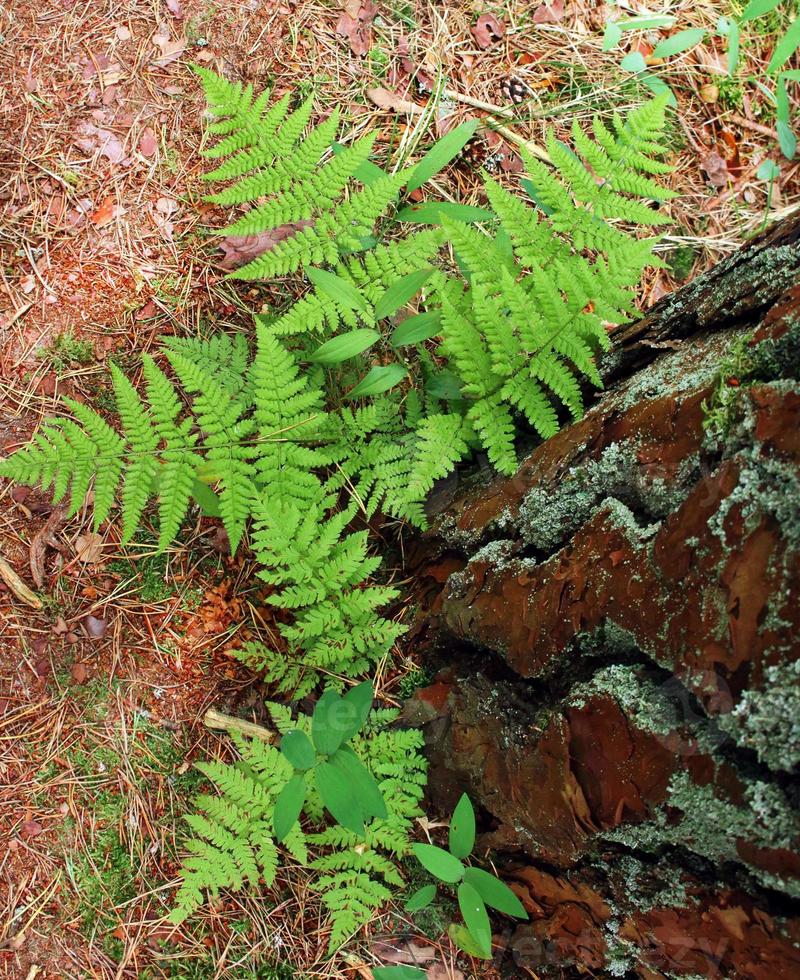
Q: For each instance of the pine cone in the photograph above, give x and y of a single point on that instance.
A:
(515, 90)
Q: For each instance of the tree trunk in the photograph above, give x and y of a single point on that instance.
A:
(618, 623)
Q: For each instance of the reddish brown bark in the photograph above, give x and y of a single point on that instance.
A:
(618, 623)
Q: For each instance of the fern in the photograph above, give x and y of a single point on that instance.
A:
(232, 846)
(318, 573)
(372, 273)
(392, 462)
(522, 344)
(240, 435)
(291, 178)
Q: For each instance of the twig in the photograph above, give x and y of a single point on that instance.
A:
(17, 586)
(217, 720)
(748, 124)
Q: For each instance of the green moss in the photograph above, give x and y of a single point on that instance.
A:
(681, 262)
(148, 576)
(67, 351)
(413, 680)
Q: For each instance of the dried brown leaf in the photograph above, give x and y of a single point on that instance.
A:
(550, 12)
(385, 99)
(89, 547)
(487, 30)
(148, 144)
(240, 249)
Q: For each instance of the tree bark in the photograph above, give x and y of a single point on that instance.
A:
(618, 626)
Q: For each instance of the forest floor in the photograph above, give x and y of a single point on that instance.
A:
(103, 688)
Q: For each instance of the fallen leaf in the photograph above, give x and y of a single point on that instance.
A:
(174, 7)
(550, 12)
(30, 83)
(709, 93)
(354, 24)
(94, 139)
(441, 972)
(105, 213)
(31, 828)
(148, 144)
(89, 547)
(716, 169)
(147, 311)
(240, 249)
(95, 627)
(385, 99)
(123, 34)
(487, 30)
(79, 673)
(402, 951)
(170, 50)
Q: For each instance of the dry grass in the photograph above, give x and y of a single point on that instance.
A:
(100, 244)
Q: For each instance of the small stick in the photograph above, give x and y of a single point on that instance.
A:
(217, 720)
(17, 586)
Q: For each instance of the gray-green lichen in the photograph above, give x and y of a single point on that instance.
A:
(766, 487)
(768, 721)
(710, 826)
(666, 710)
(549, 515)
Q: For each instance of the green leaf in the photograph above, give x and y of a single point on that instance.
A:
(398, 973)
(785, 48)
(792, 75)
(786, 139)
(340, 290)
(769, 170)
(495, 892)
(205, 498)
(327, 731)
(421, 898)
(444, 385)
(633, 62)
(400, 292)
(288, 806)
(441, 153)
(297, 748)
(475, 917)
(441, 865)
(462, 828)
(464, 939)
(757, 8)
(681, 41)
(431, 213)
(658, 86)
(612, 35)
(337, 796)
(378, 380)
(645, 23)
(356, 706)
(345, 346)
(361, 782)
(733, 48)
(417, 328)
(367, 172)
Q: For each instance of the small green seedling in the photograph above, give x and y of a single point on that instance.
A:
(345, 785)
(475, 888)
